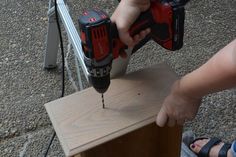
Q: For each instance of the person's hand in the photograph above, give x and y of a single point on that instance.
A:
(125, 15)
(178, 107)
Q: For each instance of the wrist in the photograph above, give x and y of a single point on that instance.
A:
(186, 91)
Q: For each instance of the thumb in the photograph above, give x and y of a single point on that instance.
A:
(162, 118)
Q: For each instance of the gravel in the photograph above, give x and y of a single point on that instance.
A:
(25, 86)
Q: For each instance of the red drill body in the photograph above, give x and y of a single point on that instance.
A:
(101, 43)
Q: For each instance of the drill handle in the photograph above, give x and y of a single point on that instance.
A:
(143, 22)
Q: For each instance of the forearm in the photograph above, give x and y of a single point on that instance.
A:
(217, 74)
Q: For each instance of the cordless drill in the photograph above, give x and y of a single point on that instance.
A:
(101, 43)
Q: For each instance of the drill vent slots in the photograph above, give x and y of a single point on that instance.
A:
(99, 32)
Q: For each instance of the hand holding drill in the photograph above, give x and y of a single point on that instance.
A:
(125, 15)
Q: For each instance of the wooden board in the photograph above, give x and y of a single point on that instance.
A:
(131, 103)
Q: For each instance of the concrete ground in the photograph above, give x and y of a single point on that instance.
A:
(25, 86)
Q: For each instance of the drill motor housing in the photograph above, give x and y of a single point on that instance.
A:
(101, 44)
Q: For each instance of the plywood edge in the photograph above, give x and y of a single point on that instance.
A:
(57, 130)
(112, 136)
(71, 152)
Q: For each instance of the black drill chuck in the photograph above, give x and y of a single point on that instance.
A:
(100, 84)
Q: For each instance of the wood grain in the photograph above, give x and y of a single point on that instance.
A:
(131, 103)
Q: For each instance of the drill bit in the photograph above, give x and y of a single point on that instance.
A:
(103, 104)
